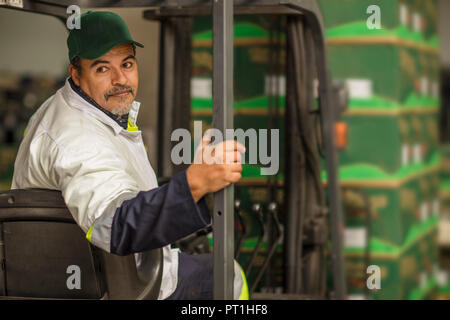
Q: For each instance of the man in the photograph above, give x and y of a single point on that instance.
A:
(85, 142)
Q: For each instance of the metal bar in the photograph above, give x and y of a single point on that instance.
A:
(173, 7)
(223, 218)
(166, 97)
(158, 13)
(181, 4)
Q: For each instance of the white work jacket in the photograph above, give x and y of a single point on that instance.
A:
(72, 146)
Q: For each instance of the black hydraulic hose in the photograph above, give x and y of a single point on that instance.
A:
(272, 74)
(304, 203)
(274, 71)
(291, 185)
(311, 144)
(316, 205)
(298, 65)
(243, 233)
(308, 132)
(257, 210)
(272, 209)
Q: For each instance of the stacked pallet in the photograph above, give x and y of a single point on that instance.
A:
(389, 168)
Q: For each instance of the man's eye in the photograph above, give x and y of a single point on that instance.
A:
(128, 65)
(101, 69)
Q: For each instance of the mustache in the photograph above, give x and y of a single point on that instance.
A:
(119, 89)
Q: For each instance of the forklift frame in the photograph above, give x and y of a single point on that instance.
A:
(222, 12)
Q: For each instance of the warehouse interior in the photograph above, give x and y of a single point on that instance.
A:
(391, 128)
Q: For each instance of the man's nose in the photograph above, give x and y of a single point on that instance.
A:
(118, 77)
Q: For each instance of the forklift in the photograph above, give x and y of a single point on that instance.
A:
(39, 238)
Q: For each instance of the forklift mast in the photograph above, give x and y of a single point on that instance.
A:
(306, 55)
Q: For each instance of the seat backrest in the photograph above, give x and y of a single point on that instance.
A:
(44, 254)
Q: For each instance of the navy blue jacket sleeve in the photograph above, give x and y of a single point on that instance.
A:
(158, 217)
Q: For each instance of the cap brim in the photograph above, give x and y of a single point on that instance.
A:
(98, 51)
(138, 44)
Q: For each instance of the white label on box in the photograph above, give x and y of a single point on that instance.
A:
(423, 211)
(201, 88)
(423, 279)
(424, 85)
(440, 275)
(417, 153)
(417, 22)
(444, 232)
(405, 155)
(356, 297)
(275, 85)
(359, 88)
(403, 14)
(355, 238)
(436, 207)
(442, 278)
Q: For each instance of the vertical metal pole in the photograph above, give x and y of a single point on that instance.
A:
(223, 219)
(166, 97)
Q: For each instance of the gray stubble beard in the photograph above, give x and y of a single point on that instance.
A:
(121, 110)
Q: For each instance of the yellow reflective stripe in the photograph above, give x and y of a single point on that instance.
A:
(89, 233)
(132, 126)
(25, 132)
(244, 291)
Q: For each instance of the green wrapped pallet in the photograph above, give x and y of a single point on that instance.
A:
(431, 134)
(426, 82)
(384, 140)
(257, 69)
(255, 106)
(395, 206)
(424, 18)
(430, 272)
(430, 14)
(401, 266)
(342, 12)
(444, 152)
(402, 22)
(412, 136)
(444, 193)
(383, 76)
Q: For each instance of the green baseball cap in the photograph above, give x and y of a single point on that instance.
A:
(99, 32)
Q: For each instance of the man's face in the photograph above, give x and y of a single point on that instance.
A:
(111, 80)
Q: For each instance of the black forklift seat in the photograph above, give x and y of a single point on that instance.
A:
(44, 255)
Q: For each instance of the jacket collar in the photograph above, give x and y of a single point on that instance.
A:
(88, 106)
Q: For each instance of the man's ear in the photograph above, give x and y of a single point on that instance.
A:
(74, 74)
